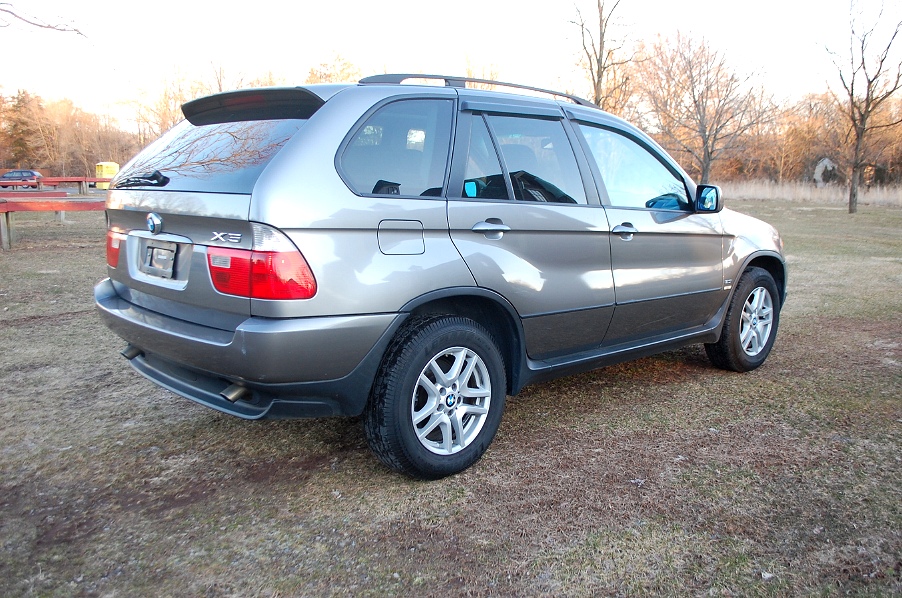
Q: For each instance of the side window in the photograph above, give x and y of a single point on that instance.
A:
(632, 175)
(539, 158)
(402, 149)
(483, 177)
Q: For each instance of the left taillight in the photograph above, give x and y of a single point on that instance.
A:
(114, 242)
(273, 269)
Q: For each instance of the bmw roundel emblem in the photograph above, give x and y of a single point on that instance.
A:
(154, 223)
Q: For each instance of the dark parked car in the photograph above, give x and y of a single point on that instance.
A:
(20, 175)
(414, 254)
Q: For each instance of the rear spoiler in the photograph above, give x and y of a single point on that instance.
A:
(253, 104)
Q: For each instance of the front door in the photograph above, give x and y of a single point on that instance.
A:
(667, 259)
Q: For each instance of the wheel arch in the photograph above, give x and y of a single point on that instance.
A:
(775, 265)
(490, 310)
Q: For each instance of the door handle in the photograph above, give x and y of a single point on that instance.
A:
(492, 228)
(625, 230)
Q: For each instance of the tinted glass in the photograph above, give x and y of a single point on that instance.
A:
(402, 149)
(224, 158)
(483, 177)
(633, 177)
(539, 158)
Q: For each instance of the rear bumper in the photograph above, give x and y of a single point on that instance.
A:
(300, 367)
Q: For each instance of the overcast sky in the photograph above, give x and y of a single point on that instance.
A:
(130, 48)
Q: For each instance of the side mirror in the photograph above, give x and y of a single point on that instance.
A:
(708, 199)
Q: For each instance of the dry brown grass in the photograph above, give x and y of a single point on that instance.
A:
(835, 194)
(661, 476)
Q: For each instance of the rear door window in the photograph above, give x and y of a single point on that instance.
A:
(539, 159)
(401, 149)
(539, 164)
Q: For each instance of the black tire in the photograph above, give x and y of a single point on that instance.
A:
(751, 323)
(454, 429)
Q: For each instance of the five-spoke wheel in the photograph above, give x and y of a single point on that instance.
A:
(750, 325)
(451, 400)
(437, 401)
(757, 321)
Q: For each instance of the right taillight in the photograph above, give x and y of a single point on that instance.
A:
(274, 269)
(114, 242)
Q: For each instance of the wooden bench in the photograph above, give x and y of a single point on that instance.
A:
(43, 203)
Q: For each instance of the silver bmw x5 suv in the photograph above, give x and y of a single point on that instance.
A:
(415, 253)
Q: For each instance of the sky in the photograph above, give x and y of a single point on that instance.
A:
(131, 49)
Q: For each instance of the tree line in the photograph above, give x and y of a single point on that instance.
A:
(58, 138)
(718, 123)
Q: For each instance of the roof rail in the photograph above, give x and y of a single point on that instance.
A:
(398, 78)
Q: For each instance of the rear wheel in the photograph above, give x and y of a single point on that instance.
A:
(751, 323)
(437, 402)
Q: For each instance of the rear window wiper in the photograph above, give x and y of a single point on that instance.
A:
(152, 179)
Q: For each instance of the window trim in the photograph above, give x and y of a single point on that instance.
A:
(496, 143)
(477, 106)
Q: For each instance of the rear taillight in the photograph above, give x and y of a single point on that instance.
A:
(114, 242)
(230, 270)
(274, 269)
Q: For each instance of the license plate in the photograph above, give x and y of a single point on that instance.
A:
(159, 258)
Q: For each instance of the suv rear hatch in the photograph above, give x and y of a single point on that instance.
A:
(179, 239)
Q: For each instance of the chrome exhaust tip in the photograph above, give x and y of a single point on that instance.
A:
(234, 393)
(130, 352)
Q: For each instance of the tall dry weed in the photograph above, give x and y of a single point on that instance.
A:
(807, 192)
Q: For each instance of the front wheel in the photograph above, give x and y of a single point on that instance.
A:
(437, 401)
(751, 323)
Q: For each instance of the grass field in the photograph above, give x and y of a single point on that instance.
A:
(663, 476)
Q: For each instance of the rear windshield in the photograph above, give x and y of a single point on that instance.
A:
(217, 158)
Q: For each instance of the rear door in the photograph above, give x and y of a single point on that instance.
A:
(667, 259)
(521, 217)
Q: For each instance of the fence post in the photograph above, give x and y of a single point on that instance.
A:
(4, 230)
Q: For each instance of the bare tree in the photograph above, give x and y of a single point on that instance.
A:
(338, 71)
(160, 114)
(221, 81)
(605, 61)
(9, 13)
(267, 79)
(869, 80)
(491, 75)
(789, 146)
(697, 104)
